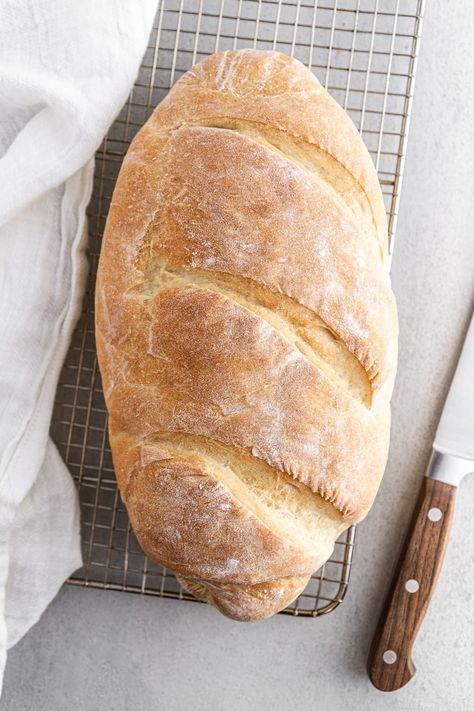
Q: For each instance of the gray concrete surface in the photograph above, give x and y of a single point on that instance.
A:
(94, 650)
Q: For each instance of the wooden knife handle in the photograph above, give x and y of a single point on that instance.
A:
(390, 665)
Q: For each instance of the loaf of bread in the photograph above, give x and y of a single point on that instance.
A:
(246, 330)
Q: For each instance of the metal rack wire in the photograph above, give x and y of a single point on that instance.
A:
(365, 53)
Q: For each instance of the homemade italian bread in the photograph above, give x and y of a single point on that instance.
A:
(246, 330)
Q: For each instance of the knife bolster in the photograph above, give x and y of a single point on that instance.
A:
(448, 468)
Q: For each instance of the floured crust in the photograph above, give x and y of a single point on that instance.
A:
(247, 602)
(218, 371)
(276, 92)
(203, 525)
(246, 330)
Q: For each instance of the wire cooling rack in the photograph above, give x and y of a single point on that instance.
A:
(365, 53)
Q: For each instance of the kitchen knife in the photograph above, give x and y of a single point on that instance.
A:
(390, 665)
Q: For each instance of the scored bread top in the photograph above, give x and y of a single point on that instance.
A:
(282, 100)
(246, 328)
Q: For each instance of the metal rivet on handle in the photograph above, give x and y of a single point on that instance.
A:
(389, 656)
(435, 514)
(412, 586)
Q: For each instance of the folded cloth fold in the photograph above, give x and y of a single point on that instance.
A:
(66, 68)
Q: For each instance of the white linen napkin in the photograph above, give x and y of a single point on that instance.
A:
(66, 68)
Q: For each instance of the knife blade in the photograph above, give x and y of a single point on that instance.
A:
(455, 433)
(390, 665)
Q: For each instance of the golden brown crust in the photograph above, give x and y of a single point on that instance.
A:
(202, 526)
(218, 371)
(246, 330)
(248, 603)
(276, 92)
